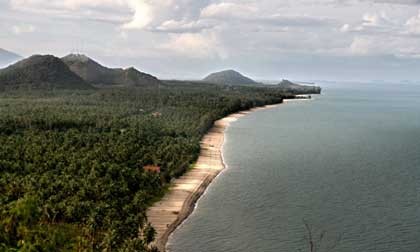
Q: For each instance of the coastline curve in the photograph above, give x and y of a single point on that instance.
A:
(174, 208)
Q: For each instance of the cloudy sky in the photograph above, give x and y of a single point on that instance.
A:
(266, 39)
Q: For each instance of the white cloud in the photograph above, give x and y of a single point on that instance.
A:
(376, 20)
(345, 28)
(136, 13)
(362, 46)
(196, 45)
(413, 24)
(228, 10)
(104, 10)
(399, 46)
(376, 23)
(408, 2)
(142, 15)
(62, 5)
(131, 14)
(184, 26)
(23, 28)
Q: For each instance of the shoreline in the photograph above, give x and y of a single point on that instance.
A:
(175, 207)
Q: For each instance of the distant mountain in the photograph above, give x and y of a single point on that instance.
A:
(298, 88)
(229, 77)
(40, 72)
(93, 72)
(7, 58)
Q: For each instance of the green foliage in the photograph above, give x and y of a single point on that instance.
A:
(71, 163)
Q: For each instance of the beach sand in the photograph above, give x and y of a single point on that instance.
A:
(167, 214)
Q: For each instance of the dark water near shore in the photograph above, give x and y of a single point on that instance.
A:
(347, 162)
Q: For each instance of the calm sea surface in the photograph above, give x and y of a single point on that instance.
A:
(347, 162)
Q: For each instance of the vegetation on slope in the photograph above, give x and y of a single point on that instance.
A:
(93, 72)
(230, 77)
(40, 72)
(288, 86)
(71, 163)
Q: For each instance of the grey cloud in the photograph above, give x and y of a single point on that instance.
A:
(305, 21)
(398, 1)
(267, 38)
(183, 11)
(173, 26)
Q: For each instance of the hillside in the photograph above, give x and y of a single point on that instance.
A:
(40, 72)
(93, 72)
(229, 77)
(287, 85)
(7, 58)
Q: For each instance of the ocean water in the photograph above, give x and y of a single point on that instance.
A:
(347, 163)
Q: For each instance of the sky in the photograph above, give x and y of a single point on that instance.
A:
(187, 39)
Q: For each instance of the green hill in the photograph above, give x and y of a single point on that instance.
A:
(230, 78)
(93, 72)
(40, 72)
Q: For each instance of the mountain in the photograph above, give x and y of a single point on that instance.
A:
(229, 77)
(7, 57)
(93, 72)
(40, 72)
(298, 88)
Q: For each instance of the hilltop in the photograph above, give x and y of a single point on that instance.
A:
(7, 57)
(40, 72)
(97, 74)
(229, 77)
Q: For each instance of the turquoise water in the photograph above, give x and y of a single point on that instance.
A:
(347, 162)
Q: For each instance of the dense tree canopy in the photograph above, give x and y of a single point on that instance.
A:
(71, 163)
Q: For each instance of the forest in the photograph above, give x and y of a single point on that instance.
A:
(71, 162)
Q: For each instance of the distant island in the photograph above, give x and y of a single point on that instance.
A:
(234, 78)
(88, 149)
(287, 85)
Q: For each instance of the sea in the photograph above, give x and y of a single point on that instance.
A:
(342, 168)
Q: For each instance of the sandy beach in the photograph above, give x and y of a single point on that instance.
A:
(167, 214)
